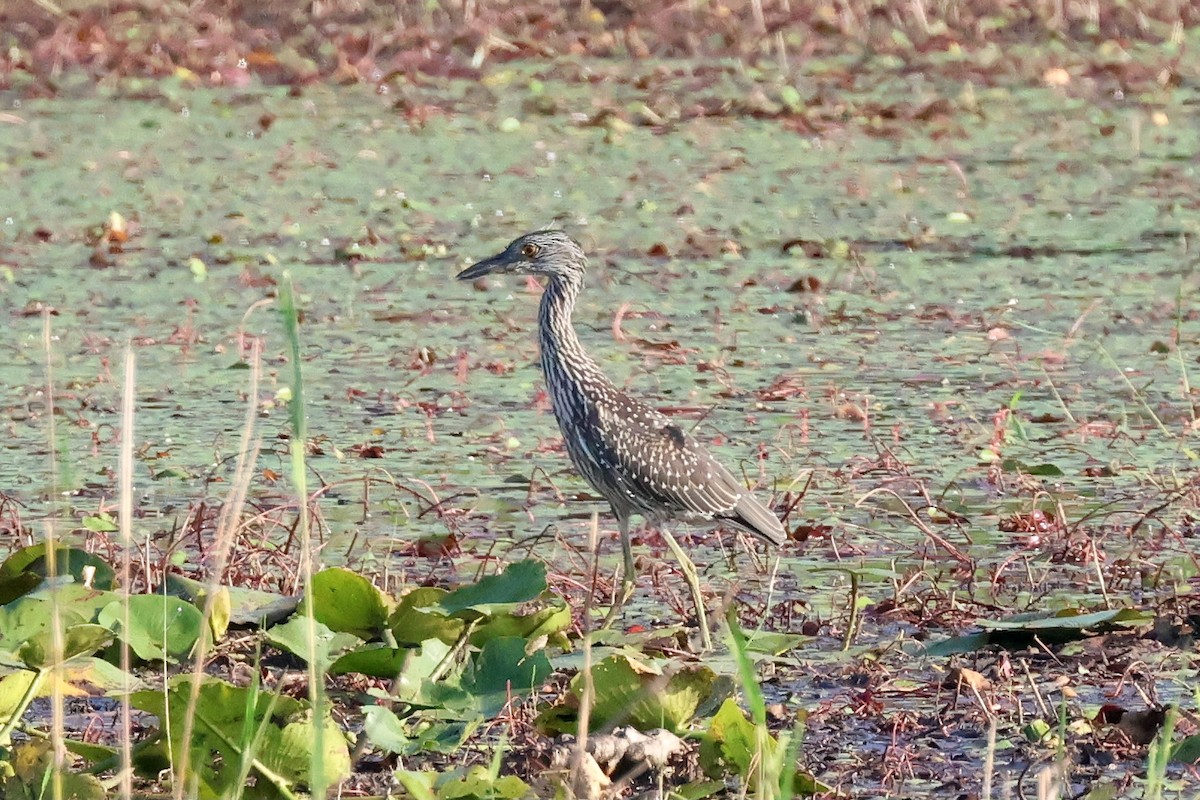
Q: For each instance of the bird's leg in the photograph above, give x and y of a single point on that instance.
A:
(693, 582)
(628, 574)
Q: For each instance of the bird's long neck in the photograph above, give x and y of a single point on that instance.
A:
(563, 356)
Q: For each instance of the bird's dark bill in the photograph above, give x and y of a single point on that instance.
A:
(485, 267)
(478, 270)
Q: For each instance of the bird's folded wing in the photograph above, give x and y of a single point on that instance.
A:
(659, 462)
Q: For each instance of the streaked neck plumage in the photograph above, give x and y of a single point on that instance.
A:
(563, 355)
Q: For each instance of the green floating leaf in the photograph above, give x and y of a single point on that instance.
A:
(735, 744)
(418, 784)
(99, 675)
(545, 622)
(418, 617)
(14, 586)
(246, 606)
(31, 616)
(774, 642)
(882, 574)
(326, 645)
(13, 689)
(24, 619)
(101, 523)
(388, 732)
(1070, 619)
(628, 691)
(78, 640)
(472, 782)
(1043, 470)
(377, 660)
(287, 749)
(445, 736)
(171, 472)
(519, 583)
(478, 781)
(1020, 630)
(698, 790)
(90, 751)
(385, 730)
(67, 561)
(502, 668)
(957, 645)
(222, 714)
(160, 628)
(32, 768)
(347, 602)
(1187, 751)
(1037, 731)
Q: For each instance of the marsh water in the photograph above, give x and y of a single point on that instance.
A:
(991, 306)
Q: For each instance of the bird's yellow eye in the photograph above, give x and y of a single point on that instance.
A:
(529, 250)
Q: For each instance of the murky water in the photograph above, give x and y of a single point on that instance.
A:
(1035, 254)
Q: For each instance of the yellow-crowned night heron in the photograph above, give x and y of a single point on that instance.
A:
(636, 457)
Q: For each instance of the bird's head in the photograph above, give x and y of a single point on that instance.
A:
(549, 253)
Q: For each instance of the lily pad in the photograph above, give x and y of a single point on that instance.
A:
(222, 713)
(519, 583)
(246, 606)
(78, 640)
(349, 603)
(160, 628)
(377, 660)
(67, 561)
(1022, 629)
(544, 622)
(325, 648)
(634, 692)
(503, 669)
(419, 617)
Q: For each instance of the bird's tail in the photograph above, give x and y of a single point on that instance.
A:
(759, 520)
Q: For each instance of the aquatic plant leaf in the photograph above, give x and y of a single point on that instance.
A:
(31, 616)
(633, 692)
(32, 765)
(1070, 619)
(160, 628)
(478, 781)
(15, 586)
(67, 561)
(347, 602)
(1018, 631)
(78, 640)
(377, 660)
(329, 645)
(419, 617)
(1187, 750)
(733, 742)
(503, 668)
(285, 728)
(518, 583)
(386, 731)
(544, 622)
(246, 606)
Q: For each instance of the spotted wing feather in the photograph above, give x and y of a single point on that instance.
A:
(655, 465)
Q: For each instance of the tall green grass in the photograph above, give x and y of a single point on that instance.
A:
(296, 408)
(774, 774)
(57, 715)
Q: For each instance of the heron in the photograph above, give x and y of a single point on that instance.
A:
(634, 456)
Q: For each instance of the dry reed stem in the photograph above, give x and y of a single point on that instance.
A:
(125, 527)
(227, 525)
